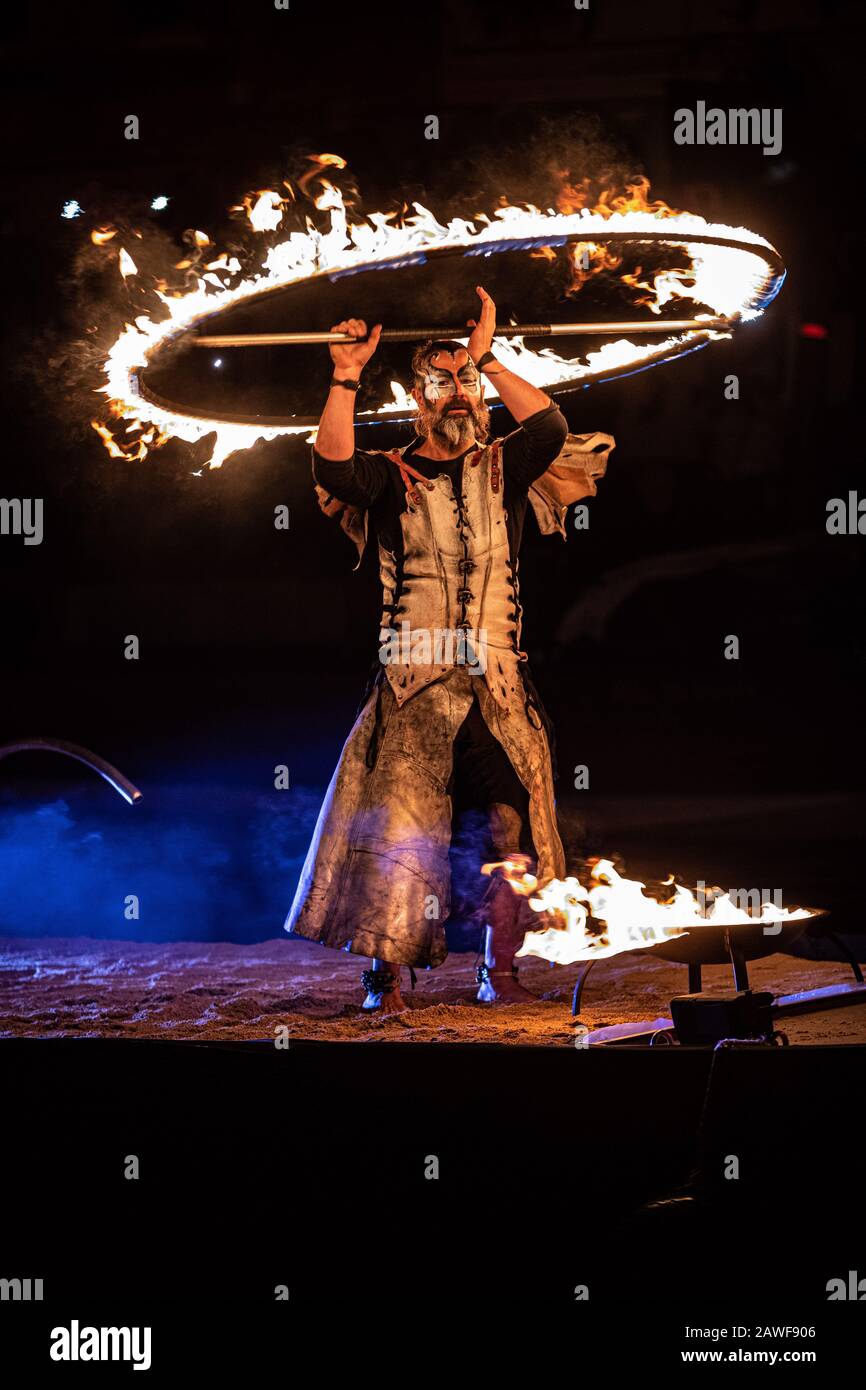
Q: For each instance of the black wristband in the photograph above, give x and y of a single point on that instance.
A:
(484, 359)
(349, 384)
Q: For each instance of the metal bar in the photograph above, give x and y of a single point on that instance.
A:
(401, 415)
(115, 779)
(813, 1001)
(629, 1034)
(409, 335)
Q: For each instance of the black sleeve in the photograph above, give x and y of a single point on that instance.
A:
(357, 481)
(530, 450)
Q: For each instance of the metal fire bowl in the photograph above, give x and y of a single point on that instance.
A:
(709, 945)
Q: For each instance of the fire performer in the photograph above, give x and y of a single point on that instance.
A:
(451, 717)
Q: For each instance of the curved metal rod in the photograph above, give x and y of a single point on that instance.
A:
(578, 987)
(115, 779)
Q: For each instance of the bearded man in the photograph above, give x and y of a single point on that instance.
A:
(451, 719)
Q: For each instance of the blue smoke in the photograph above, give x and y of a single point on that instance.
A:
(205, 864)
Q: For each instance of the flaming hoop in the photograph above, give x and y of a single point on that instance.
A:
(621, 358)
(734, 272)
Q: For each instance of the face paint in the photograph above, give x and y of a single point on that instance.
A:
(441, 376)
(437, 385)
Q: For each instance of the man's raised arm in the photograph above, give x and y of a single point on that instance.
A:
(350, 478)
(530, 452)
(519, 396)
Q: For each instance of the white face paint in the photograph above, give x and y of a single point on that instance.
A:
(437, 385)
(440, 379)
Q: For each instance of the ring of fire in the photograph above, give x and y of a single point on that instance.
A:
(734, 271)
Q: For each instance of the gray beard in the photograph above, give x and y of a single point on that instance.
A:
(458, 431)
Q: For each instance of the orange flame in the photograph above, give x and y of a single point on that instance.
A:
(515, 872)
(726, 280)
(614, 913)
(135, 448)
(589, 257)
(576, 197)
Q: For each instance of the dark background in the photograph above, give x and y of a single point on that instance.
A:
(256, 642)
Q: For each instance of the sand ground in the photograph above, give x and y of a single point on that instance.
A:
(82, 987)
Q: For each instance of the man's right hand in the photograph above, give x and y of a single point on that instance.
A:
(350, 358)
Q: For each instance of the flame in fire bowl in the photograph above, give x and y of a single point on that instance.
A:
(710, 945)
(609, 913)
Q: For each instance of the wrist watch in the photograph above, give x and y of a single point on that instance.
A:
(349, 384)
(484, 359)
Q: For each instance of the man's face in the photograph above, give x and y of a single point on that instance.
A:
(450, 398)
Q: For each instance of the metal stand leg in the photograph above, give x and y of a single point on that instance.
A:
(741, 971)
(695, 982)
(848, 954)
(578, 987)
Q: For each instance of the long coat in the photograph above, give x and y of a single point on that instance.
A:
(377, 874)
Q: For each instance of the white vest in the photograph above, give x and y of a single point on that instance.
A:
(454, 598)
(456, 568)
